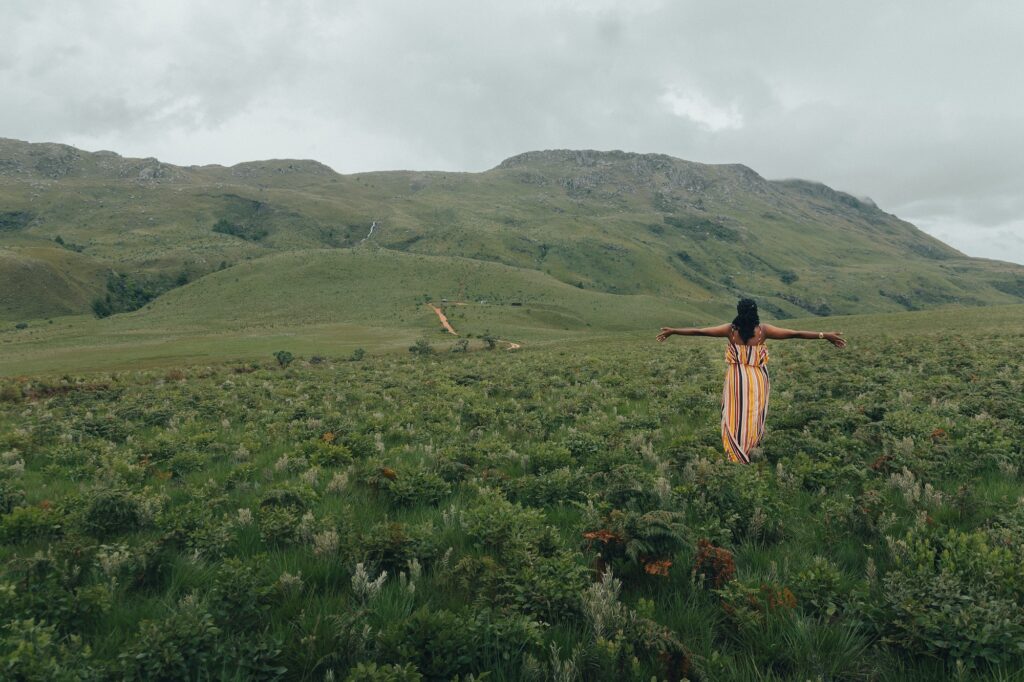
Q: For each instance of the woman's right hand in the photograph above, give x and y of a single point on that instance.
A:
(665, 333)
(836, 339)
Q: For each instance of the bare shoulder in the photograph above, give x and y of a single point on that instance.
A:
(773, 332)
(719, 330)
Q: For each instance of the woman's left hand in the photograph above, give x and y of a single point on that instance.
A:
(665, 333)
(836, 339)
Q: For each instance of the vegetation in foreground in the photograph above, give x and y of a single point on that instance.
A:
(558, 512)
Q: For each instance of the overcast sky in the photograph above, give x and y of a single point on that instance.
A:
(919, 105)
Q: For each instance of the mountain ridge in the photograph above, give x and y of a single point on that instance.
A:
(611, 221)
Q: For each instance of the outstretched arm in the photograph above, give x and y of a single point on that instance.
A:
(720, 330)
(773, 332)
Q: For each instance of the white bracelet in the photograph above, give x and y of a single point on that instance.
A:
(821, 335)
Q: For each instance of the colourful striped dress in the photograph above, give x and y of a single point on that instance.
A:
(744, 400)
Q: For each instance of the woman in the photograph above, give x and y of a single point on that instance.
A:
(747, 385)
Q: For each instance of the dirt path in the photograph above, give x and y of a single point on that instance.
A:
(444, 320)
(512, 345)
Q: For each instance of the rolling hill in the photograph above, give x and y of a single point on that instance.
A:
(546, 243)
(611, 222)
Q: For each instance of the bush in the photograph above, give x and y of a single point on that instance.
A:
(10, 497)
(284, 358)
(10, 393)
(182, 646)
(421, 348)
(955, 595)
(25, 524)
(415, 485)
(246, 232)
(34, 650)
(278, 525)
(239, 597)
(52, 589)
(728, 503)
(443, 644)
(391, 545)
(371, 672)
(111, 512)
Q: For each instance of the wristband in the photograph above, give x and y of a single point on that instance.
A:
(821, 335)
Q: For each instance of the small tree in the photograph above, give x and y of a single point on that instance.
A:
(460, 346)
(421, 348)
(490, 339)
(284, 358)
(358, 354)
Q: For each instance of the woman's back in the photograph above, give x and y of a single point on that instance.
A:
(756, 339)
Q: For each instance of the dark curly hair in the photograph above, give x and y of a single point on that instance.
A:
(746, 318)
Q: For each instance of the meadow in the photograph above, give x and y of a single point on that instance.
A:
(561, 511)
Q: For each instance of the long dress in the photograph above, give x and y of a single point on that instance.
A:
(744, 400)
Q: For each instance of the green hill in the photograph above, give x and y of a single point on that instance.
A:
(613, 222)
(331, 301)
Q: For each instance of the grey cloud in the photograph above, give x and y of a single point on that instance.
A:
(915, 104)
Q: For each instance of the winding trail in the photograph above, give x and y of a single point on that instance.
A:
(512, 345)
(444, 320)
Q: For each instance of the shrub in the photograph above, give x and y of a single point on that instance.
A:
(392, 545)
(10, 497)
(10, 393)
(443, 644)
(728, 503)
(111, 512)
(34, 650)
(819, 587)
(548, 588)
(357, 355)
(239, 597)
(415, 485)
(549, 456)
(25, 524)
(421, 348)
(649, 539)
(497, 524)
(284, 358)
(748, 601)
(559, 486)
(371, 672)
(182, 646)
(715, 564)
(246, 232)
(956, 595)
(278, 525)
(52, 589)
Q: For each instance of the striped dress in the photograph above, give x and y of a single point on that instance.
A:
(744, 400)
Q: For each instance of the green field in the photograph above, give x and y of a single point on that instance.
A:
(562, 511)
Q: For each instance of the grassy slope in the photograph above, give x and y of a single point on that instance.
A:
(597, 220)
(329, 302)
(374, 298)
